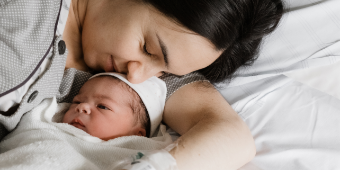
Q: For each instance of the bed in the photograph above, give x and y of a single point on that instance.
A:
(290, 97)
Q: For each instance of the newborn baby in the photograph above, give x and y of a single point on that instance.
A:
(108, 106)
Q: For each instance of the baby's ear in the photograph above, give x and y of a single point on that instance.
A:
(140, 131)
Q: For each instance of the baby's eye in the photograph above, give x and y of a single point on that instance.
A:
(102, 107)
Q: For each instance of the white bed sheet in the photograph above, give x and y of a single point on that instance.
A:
(325, 78)
(297, 128)
(289, 98)
(308, 36)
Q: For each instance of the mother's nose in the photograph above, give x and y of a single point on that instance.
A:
(83, 108)
(139, 72)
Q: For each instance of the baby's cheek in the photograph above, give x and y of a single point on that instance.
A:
(67, 117)
(102, 130)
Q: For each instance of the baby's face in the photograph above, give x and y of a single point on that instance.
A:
(103, 109)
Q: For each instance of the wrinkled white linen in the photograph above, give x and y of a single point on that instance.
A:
(40, 143)
(296, 128)
(294, 121)
(325, 79)
(307, 37)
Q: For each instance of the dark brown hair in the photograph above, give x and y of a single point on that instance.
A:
(234, 26)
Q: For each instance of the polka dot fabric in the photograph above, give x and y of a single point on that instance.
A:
(173, 82)
(27, 30)
(71, 83)
(47, 86)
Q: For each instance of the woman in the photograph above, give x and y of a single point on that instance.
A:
(147, 38)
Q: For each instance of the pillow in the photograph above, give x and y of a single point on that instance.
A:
(308, 36)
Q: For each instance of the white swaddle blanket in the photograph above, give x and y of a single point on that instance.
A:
(40, 143)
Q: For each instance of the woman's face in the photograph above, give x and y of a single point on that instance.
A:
(133, 38)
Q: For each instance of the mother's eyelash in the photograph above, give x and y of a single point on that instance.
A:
(145, 50)
(75, 102)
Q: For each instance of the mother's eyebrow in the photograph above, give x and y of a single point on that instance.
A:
(164, 51)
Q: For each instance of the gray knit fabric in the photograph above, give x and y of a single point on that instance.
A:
(47, 86)
(27, 29)
(173, 82)
(72, 81)
(26, 36)
(4, 2)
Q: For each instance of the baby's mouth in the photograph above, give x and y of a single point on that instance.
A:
(77, 123)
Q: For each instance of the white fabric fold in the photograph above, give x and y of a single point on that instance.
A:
(40, 143)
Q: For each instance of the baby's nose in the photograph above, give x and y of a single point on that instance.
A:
(83, 108)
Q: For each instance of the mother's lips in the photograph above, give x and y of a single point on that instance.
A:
(115, 69)
(111, 65)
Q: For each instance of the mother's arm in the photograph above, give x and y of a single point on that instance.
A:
(213, 135)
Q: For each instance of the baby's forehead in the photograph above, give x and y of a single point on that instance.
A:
(120, 83)
(115, 82)
(109, 80)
